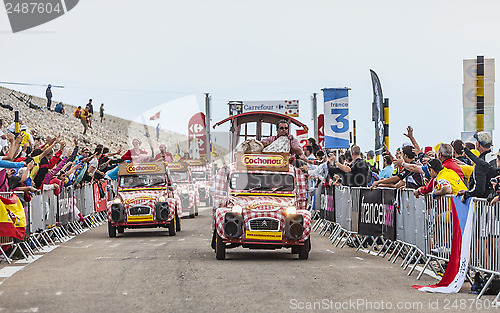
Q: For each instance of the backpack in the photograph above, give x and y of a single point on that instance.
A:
(78, 113)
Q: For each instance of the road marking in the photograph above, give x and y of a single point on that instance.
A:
(115, 245)
(124, 293)
(8, 271)
(58, 293)
(29, 260)
(48, 249)
(328, 250)
(357, 257)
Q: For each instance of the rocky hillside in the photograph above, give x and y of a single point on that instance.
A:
(113, 132)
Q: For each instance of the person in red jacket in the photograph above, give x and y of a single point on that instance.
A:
(164, 155)
(135, 154)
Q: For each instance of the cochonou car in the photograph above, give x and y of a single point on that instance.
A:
(144, 199)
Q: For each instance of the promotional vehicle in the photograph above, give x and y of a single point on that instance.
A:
(260, 199)
(185, 191)
(202, 178)
(144, 199)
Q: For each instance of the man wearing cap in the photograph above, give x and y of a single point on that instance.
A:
(479, 184)
(371, 162)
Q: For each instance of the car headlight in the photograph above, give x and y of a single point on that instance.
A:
(237, 209)
(117, 200)
(161, 199)
(291, 210)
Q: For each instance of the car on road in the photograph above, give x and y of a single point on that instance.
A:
(260, 199)
(144, 199)
(185, 191)
(202, 178)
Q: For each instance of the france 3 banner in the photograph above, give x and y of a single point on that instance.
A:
(336, 126)
(458, 266)
(377, 214)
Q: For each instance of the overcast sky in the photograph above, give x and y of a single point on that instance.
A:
(135, 55)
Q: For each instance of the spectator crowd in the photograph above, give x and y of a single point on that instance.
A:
(455, 168)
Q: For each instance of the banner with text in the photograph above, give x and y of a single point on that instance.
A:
(286, 107)
(377, 214)
(336, 117)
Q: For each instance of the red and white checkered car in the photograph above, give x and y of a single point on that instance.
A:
(264, 212)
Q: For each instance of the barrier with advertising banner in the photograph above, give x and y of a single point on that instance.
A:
(100, 196)
(377, 214)
(330, 204)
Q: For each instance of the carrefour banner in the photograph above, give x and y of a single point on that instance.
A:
(336, 126)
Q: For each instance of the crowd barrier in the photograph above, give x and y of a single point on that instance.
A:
(416, 231)
(52, 219)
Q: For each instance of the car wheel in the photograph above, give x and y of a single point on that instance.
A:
(213, 239)
(195, 210)
(177, 223)
(171, 227)
(191, 212)
(120, 229)
(111, 230)
(304, 250)
(220, 248)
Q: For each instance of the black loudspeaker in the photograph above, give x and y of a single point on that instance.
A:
(117, 213)
(233, 225)
(162, 211)
(294, 228)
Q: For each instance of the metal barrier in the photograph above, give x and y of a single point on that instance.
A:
(485, 245)
(424, 232)
(52, 219)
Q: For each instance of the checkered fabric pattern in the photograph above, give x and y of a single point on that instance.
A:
(307, 223)
(172, 203)
(221, 187)
(301, 189)
(219, 220)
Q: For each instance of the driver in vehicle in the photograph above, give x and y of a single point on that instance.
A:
(282, 129)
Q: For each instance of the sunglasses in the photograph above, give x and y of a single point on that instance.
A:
(283, 128)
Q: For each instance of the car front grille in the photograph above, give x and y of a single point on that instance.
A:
(264, 224)
(201, 192)
(140, 210)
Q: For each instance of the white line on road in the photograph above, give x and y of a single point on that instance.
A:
(8, 271)
(115, 245)
(328, 250)
(29, 260)
(58, 293)
(357, 257)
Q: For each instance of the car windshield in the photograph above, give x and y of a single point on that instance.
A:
(179, 176)
(198, 176)
(129, 181)
(261, 181)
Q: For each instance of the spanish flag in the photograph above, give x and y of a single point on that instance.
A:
(155, 117)
(12, 217)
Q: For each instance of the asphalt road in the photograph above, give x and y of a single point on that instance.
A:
(148, 271)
